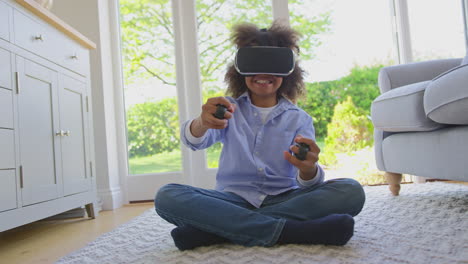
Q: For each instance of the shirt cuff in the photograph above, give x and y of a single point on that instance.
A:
(315, 180)
(191, 138)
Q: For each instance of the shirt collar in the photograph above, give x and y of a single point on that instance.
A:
(283, 102)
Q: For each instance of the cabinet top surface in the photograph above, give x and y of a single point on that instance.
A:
(53, 20)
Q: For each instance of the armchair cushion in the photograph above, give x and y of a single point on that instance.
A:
(446, 97)
(401, 110)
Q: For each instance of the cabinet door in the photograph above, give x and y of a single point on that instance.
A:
(7, 190)
(73, 123)
(37, 122)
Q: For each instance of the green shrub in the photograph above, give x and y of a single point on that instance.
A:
(319, 102)
(349, 130)
(361, 85)
(153, 127)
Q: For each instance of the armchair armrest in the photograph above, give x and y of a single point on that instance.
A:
(399, 75)
(446, 97)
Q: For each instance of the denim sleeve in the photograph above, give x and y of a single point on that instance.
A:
(211, 136)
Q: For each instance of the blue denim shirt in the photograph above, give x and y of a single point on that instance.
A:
(251, 164)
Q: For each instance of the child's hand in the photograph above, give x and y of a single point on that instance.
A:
(209, 109)
(307, 167)
(207, 120)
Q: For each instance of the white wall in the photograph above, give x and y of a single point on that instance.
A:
(93, 19)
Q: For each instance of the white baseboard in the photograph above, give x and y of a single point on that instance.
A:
(110, 199)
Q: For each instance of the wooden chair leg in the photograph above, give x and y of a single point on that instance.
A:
(394, 180)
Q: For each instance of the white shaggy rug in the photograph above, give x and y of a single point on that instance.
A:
(427, 224)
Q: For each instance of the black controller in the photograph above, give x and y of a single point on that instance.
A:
(220, 111)
(303, 149)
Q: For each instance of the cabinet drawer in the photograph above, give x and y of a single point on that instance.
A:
(74, 56)
(5, 69)
(6, 108)
(49, 43)
(7, 149)
(33, 36)
(7, 190)
(4, 21)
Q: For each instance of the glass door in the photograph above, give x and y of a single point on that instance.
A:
(151, 99)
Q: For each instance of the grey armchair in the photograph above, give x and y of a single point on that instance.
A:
(421, 121)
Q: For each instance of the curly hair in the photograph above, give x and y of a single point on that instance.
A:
(278, 35)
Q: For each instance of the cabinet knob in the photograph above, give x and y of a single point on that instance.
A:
(75, 57)
(39, 37)
(60, 133)
(67, 133)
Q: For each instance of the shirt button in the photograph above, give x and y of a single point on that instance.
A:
(255, 114)
(260, 169)
(256, 153)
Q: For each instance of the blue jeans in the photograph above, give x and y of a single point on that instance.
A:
(230, 216)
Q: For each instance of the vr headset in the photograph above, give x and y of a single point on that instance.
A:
(278, 61)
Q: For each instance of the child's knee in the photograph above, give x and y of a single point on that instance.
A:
(354, 193)
(166, 196)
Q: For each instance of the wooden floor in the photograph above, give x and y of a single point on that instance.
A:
(47, 241)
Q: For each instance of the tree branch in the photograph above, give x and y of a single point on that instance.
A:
(208, 39)
(224, 62)
(159, 59)
(213, 47)
(209, 13)
(156, 75)
(162, 20)
(212, 62)
(166, 22)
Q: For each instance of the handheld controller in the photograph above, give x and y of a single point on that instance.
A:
(220, 111)
(303, 149)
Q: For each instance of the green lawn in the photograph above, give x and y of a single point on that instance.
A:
(165, 162)
(172, 161)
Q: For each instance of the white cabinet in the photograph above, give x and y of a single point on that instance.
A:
(46, 158)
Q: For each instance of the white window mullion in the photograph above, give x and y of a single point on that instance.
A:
(403, 31)
(189, 85)
(280, 9)
(122, 154)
